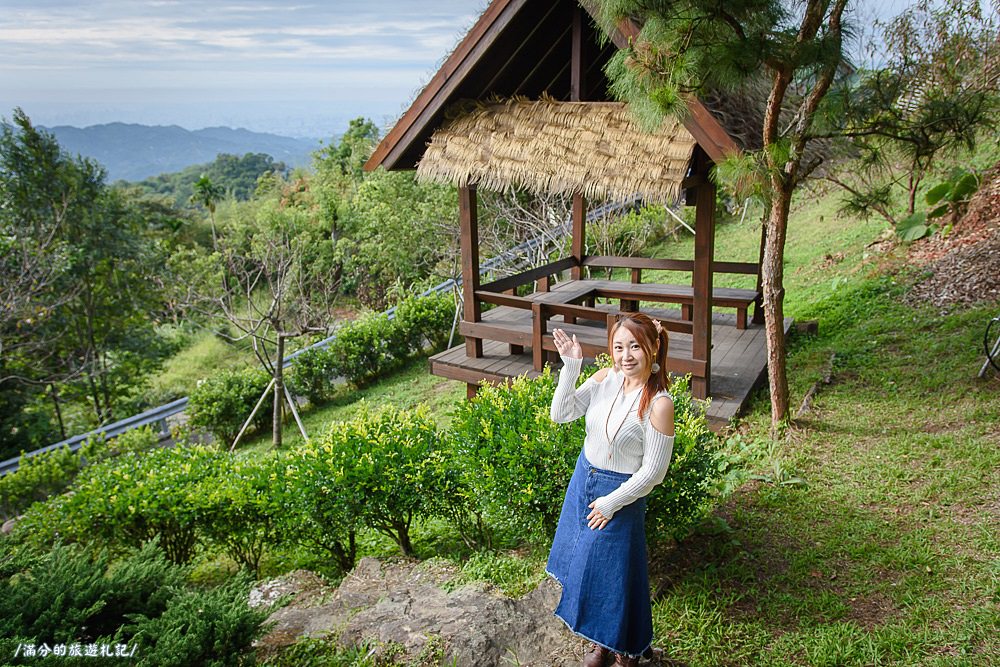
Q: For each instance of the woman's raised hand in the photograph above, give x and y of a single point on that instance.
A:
(566, 346)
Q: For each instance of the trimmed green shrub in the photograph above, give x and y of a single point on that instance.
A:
(42, 476)
(360, 351)
(312, 374)
(387, 468)
(130, 499)
(36, 479)
(697, 466)
(516, 460)
(237, 507)
(312, 513)
(222, 403)
(428, 318)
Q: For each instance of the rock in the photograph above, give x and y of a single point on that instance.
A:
(404, 604)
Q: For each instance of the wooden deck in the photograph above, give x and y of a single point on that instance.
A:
(739, 356)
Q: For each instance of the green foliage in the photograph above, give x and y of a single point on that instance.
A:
(50, 473)
(697, 467)
(361, 352)
(223, 402)
(238, 509)
(426, 320)
(400, 231)
(71, 595)
(952, 196)
(214, 628)
(74, 596)
(309, 492)
(373, 345)
(387, 467)
(516, 461)
(312, 374)
(234, 175)
(130, 499)
(37, 478)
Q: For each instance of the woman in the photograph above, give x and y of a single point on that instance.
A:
(599, 551)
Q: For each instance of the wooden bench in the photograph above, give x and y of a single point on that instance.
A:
(631, 293)
(511, 324)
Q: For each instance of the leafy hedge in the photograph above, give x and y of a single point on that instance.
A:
(222, 403)
(385, 468)
(518, 463)
(501, 469)
(373, 345)
(39, 477)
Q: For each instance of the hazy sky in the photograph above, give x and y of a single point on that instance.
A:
(300, 68)
(295, 68)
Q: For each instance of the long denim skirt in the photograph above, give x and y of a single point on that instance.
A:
(603, 573)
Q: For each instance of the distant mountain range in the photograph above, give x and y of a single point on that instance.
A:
(133, 152)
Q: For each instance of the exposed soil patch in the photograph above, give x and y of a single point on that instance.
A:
(964, 266)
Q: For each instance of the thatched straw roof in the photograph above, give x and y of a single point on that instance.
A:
(595, 148)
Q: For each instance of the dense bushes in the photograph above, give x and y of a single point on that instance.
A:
(49, 473)
(222, 403)
(130, 499)
(517, 461)
(373, 345)
(387, 468)
(67, 596)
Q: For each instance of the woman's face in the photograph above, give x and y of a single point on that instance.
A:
(628, 355)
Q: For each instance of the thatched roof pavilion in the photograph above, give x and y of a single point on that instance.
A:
(523, 103)
(547, 146)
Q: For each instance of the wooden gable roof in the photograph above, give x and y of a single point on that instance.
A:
(521, 48)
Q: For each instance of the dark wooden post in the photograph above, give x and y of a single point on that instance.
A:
(576, 70)
(579, 234)
(469, 224)
(576, 86)
(701, 280)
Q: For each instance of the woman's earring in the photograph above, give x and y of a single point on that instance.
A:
(655, 368)
(618, 368)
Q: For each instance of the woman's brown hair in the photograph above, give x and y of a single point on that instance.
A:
(647, 334)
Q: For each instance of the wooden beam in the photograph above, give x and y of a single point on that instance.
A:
(433, 98)
(529, 276)
(579, 234)
(469, 223)
(701, 280)
(577, 84)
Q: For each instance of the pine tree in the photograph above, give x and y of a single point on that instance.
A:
(792, 53)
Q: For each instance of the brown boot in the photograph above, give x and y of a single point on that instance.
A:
(596, 656)
(625, 661)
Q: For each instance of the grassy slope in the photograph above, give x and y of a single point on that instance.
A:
(888, 556)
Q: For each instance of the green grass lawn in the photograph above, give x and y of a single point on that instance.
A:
(888, 553)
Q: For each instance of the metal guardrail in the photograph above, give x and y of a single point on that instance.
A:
(159, 415)
(156, 415)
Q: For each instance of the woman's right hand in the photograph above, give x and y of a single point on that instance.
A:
(566, 346)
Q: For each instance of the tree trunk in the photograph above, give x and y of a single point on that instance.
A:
(772, 283)
(279, 391)
(54, 392)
